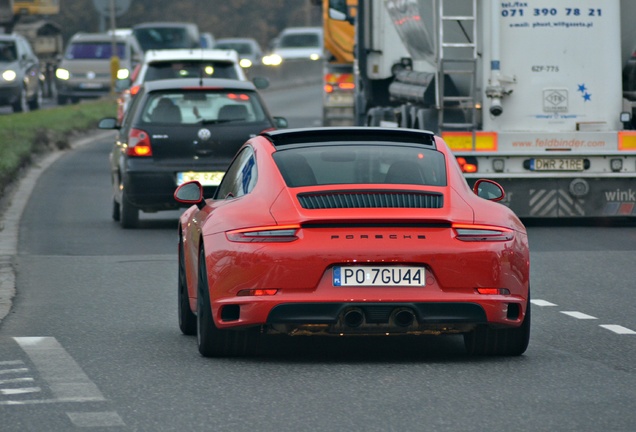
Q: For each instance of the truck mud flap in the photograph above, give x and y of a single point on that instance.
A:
(570, 197)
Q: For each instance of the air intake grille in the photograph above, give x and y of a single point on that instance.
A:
(338, 200)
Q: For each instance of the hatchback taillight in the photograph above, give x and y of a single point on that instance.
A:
(138, 143)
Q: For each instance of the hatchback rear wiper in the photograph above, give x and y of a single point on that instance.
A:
(214, 121)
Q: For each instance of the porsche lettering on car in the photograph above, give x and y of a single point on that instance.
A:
(367, 232)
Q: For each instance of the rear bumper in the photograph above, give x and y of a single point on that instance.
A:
(375, 318)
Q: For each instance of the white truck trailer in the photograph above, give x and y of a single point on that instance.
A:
(527, 93)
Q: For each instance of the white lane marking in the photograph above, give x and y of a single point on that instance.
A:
(65, 377)
(15, 380)
(542, 303)
(618, 329)
(578, 315)
(95, 419)
(11, 362)
(24, 390)
(17, 370)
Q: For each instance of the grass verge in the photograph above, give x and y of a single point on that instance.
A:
(25, 135)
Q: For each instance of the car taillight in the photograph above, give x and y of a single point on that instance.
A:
(138, 143)
(257, 292)
(493, 291)
(466, 232)
(271, 234)
(468, 164)
(134, 90)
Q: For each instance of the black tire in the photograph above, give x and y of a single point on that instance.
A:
(499, 342)
(213, 342)
(22, 104)
(62, 100)
(128, 213)
(187, 319)
(116, 210)
(36, 102)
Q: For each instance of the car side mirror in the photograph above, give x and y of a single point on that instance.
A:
(122, 84)
(489, 190)
(108, 123)
(261, 83)
(281, 122)
(190, 193)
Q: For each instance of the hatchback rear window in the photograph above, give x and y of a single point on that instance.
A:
(190, 69)
(300, 40)
(361, 164)
(164, 38)
(94, 50)
(206, 107)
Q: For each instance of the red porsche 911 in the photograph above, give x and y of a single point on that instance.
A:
(351, 232)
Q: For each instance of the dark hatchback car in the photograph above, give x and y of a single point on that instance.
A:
(176, 131)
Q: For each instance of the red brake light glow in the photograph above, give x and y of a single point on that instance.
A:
(235, 96)
(466, 232)
(257, 292)
(134, 90)
(493, 291)
(270, 234)
(467, 166)
(138, 143)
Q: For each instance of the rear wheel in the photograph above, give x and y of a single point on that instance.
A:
(116, 210)
(212, 341)
(187, 320)
(128, 213)
(36, 102)
(22, 104)
(499, 342)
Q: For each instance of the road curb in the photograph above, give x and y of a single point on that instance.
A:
(10, 219)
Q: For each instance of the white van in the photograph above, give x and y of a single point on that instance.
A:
(85, 69)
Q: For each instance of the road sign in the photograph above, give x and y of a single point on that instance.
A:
(103, 7)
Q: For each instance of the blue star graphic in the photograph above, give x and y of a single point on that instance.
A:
(587, 97)
(582, 88)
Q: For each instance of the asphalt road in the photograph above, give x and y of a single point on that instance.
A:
(92, 339)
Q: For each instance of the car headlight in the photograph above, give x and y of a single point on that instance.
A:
(122, 74)
(62, 74)
(314, 56)
(9, 75)
(272, 60)
(245, 63)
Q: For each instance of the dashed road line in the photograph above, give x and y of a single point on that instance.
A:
(542, 303)
(16, 380)
(96, 419)
(17, 391)
(67, 380)
(578, 315)
(617, 329)
(13, 371)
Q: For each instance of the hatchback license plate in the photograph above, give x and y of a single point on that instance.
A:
(205, 178)
(378, 276)
(557, 164)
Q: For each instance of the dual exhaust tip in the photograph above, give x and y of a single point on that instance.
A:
(354, 317)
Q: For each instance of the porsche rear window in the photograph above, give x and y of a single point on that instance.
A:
(361, 164)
